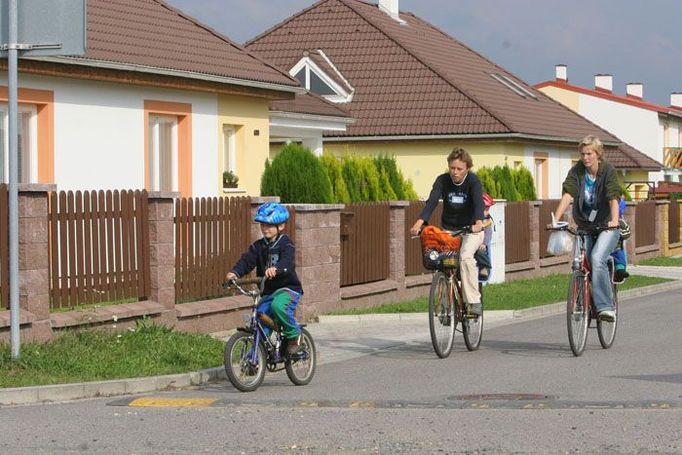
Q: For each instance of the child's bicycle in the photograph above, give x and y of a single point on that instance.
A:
(580, 309)
(250, 351)
(446, 303)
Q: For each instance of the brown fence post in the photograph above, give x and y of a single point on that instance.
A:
(34, 274)
(396, 242)
(162, 253)
(318, 257)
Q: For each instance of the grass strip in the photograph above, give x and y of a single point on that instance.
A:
(511, 295)
(663, 261)
(95, 355)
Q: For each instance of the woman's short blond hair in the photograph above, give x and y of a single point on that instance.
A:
(593, 143)
(461, 154)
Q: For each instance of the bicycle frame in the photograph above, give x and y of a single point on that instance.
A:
(273, 355)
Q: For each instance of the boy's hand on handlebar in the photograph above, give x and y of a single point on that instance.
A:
(477, 227)
(612, 224)
(271, 272)
(230, 276)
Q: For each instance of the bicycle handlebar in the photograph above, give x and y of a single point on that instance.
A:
(573, 230)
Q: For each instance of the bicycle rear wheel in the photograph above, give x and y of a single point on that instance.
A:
(301, 368)
(242, 373)
(607, 329)
(577, 313)
(472, 328)
(442, 321)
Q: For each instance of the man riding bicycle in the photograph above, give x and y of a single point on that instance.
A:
(593, 188)
(462, 195)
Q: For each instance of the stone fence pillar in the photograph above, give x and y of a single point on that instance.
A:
(34, 265)
(162, 253)
(396, 242)
(318, 257)
(629, 215)
(662, 233)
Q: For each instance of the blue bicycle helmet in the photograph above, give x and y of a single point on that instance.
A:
(271, 213)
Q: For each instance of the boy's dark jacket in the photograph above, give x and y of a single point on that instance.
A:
(262, 255)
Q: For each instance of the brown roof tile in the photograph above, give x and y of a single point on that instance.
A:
(413, 79)
(151, 33)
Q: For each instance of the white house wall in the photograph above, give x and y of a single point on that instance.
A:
(560, 162)
(634, 125)
(99, 133)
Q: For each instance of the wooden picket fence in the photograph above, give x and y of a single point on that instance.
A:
(674, 221)
(210, 236)
(99, 247)
(364, 243)
(517, 232)
(645, 223)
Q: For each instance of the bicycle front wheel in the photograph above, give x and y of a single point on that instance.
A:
(472, 328)
(442, 321)
(607, 329)
(301, 368)
(246, 375)
(577, 313)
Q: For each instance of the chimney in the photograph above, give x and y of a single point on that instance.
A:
(676, 99)
(561, 72)
(635, 90)
(391, 8)
(603, 82)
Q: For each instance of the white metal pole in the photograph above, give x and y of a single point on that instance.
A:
(12, 59)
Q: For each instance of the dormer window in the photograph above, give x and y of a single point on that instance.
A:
(318, 74)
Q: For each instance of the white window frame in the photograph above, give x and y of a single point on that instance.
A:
(230, 148)
(539, 177)
(155, 153)
(342, 95)
(33, 142)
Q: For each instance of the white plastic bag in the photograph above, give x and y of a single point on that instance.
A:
(560, 242)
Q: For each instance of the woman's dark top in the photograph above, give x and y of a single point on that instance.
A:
(605, 189)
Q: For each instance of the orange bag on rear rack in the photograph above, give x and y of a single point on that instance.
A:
(434, 238)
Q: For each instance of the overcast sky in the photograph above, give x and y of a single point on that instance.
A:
(634, 40)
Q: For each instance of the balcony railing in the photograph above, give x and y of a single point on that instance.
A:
(672, 157)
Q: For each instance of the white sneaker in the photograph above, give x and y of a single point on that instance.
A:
(607, 315)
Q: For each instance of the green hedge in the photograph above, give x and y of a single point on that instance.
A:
(502, 182)
(296, 175)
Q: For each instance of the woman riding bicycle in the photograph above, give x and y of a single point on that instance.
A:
(593, 187)
(462, 196)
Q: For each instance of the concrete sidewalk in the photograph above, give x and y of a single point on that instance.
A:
(338, 338)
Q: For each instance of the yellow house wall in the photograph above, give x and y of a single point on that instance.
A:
(422, 161)
(247, 115)
(638, 191)
(566, 97)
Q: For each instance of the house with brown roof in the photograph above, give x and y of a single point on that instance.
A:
(158, 101)
(654, 129)
(416, 92)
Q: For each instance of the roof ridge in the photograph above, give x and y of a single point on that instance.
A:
(223, 37)
(624, 99)
(473, 98)
(286, 20)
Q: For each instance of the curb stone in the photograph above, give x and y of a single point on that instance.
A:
(65, 392)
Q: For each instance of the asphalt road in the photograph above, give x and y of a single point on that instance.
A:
(522, 392)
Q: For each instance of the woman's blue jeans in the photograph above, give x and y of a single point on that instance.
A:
(599, 253)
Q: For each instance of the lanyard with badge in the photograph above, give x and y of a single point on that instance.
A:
(590, 191)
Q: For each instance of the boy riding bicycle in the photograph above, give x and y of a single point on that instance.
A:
(273, 256)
